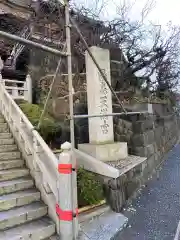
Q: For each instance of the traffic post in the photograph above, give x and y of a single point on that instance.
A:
(64, 207)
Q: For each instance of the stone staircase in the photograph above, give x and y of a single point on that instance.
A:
(22, 213)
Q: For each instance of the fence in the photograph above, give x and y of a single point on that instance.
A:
(19, 89)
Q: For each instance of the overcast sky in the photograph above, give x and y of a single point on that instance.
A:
(162, 12)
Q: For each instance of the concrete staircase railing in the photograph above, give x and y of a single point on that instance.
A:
(39, 158)
(19, 89)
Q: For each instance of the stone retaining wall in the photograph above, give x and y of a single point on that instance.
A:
(147, 136)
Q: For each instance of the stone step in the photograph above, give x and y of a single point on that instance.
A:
(10, 155)
(16, 185)
(18, 199)
(13, 173)
(8, 148)
(21, 215)
(4, 128)
(6, 141)
(5, 135)
(2, 120)
(8, 164)
(36, 230)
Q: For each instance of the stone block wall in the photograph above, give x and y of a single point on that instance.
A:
(154, 135)
(148, 136)
(123, 131)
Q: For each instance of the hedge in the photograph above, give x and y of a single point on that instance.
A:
(49, 126)
(90, 190)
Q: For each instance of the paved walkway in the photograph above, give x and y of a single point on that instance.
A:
(157, 212)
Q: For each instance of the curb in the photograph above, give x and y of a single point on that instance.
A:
(101, 224)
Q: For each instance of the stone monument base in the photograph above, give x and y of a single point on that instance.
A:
(105, 152)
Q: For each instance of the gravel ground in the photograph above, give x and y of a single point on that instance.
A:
(155, 214)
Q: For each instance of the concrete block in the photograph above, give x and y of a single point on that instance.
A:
(144, 151)
(130, 174)
(2, 120)
(39, 229)
(155, 147)
(115, 198)
(120, 122)
(139, 140)
(151, 164)
(117, 136)
(158, 132)
(143, 139)
(116, 130)
(131, 187)
(140, 151)
(145, 172)
(22, 215)
(27, 197)
(10, 155)
(138, 170)
(164, 140)
(8, 148)
(143, 166)
(158, 157)
(15, 185)
(5, 135)
(142, 126)
(37, 212)
(125, 131)
(4, 128)
(13, 173)
(127, 125)
(159, 142)
(106, 152)
(143, 117)
(19, 199)
(149, 137)
(129, 137)
(120, 129)
(103, 227)
(8, 164)
(150, 149)
(5, 141)
(121, 138)
(115, 120)
(12, 221)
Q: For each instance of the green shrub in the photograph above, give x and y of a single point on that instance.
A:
(49, 126)
(90, 190)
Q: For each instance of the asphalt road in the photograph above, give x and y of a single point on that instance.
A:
(155, 214)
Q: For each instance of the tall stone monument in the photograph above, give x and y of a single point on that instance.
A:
(101, 132)
(99, 97)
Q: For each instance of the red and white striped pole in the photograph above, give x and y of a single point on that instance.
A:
(64, 207)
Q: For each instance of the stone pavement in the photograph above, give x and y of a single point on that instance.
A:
(103, 225)
(155, 214)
